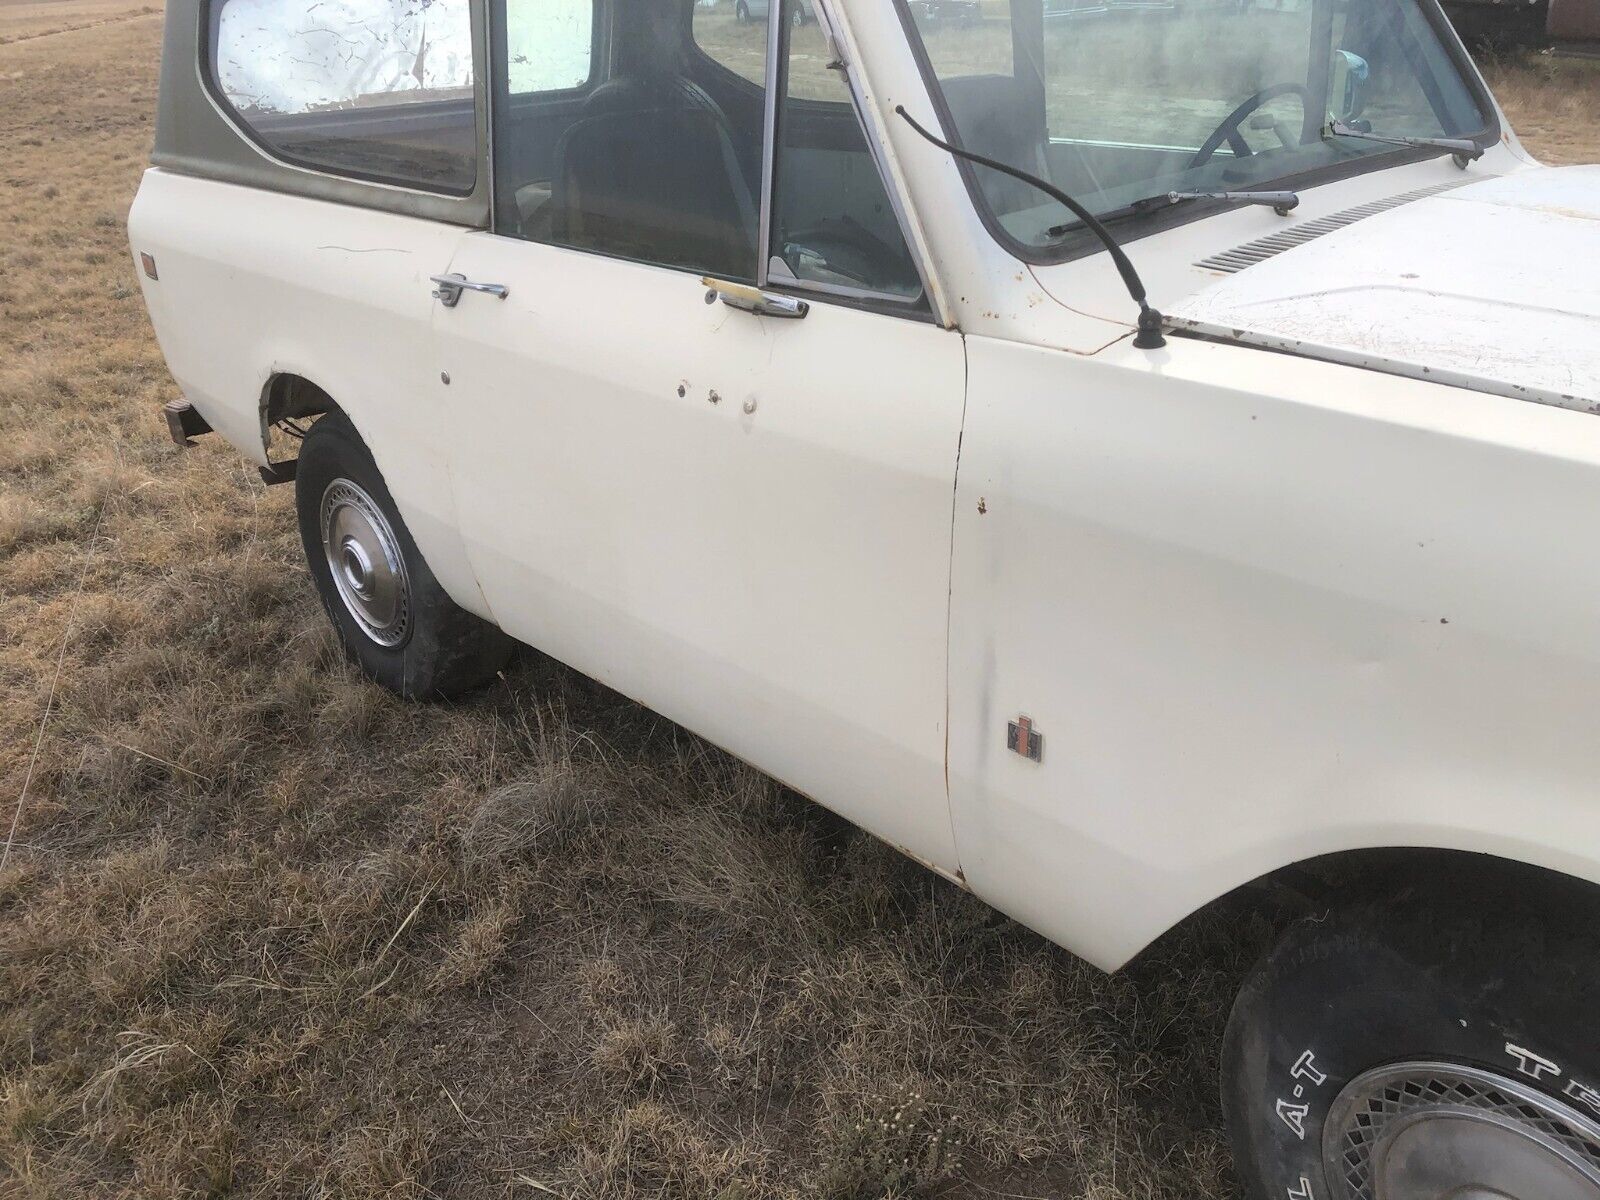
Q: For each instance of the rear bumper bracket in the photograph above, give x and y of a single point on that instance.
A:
(184, 421)
(279, 472)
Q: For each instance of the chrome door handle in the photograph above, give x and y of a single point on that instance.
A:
(448, 293)
(753, 300)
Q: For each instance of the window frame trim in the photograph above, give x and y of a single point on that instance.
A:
(771, 102)
(207, 36)
(778, 33)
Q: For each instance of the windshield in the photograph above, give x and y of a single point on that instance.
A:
(1114, 101)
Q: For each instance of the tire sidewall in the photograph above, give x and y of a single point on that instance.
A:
(333, 450)
(1341, 996)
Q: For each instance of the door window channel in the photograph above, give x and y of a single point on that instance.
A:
(833, 226)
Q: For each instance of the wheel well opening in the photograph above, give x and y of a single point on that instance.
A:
(1350, 878)
(288, 397)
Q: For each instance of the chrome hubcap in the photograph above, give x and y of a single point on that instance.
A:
(364, 559)
(1437, 1131)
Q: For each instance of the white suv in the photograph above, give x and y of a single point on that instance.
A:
(1115, 459)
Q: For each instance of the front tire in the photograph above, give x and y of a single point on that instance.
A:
(393, 619)
(1436, 1044)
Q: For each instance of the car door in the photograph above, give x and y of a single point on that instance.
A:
(741, 520)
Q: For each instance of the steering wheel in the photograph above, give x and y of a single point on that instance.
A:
(1228, 131)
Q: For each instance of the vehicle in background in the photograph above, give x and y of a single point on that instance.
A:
(1118, 461)
(945, 12)
(1061, 10)
(1065, 10)
(757, 10)
(1569, 26)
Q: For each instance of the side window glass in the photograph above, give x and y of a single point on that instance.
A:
(733, 33)
(832, 222)
(550, 46)
(657, 161)
(377, 89)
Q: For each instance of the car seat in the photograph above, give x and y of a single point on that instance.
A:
(996, 118)
(650, 172)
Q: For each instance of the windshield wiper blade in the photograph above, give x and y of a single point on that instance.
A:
(1282, 203)
(1465, 151)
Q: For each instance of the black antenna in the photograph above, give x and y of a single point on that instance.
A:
(1149, 336)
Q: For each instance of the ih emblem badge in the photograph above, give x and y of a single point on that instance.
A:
(1022, 738)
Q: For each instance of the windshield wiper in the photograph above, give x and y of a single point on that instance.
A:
(1463, 150)
(1282, 203)
(1149, 335)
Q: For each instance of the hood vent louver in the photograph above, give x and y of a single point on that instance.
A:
(1249, 254)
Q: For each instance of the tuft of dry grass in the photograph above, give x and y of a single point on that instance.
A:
(1553, 103)
(267, 931)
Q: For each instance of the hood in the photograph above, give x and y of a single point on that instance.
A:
(1493, 286)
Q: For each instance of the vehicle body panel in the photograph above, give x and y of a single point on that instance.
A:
(1260, 610)
(1574, 20)
(1492, 284)
(254, 284)
(728, 517)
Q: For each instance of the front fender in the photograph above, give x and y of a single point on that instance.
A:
(1261, 610)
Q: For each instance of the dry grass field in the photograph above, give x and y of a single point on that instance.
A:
(24, 19)
(266, 931)
(1554, 105)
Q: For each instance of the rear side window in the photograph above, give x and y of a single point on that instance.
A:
(375, 89)
(549, 46)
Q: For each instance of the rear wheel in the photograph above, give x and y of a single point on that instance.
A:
(393, 618)
(1436, 1046)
